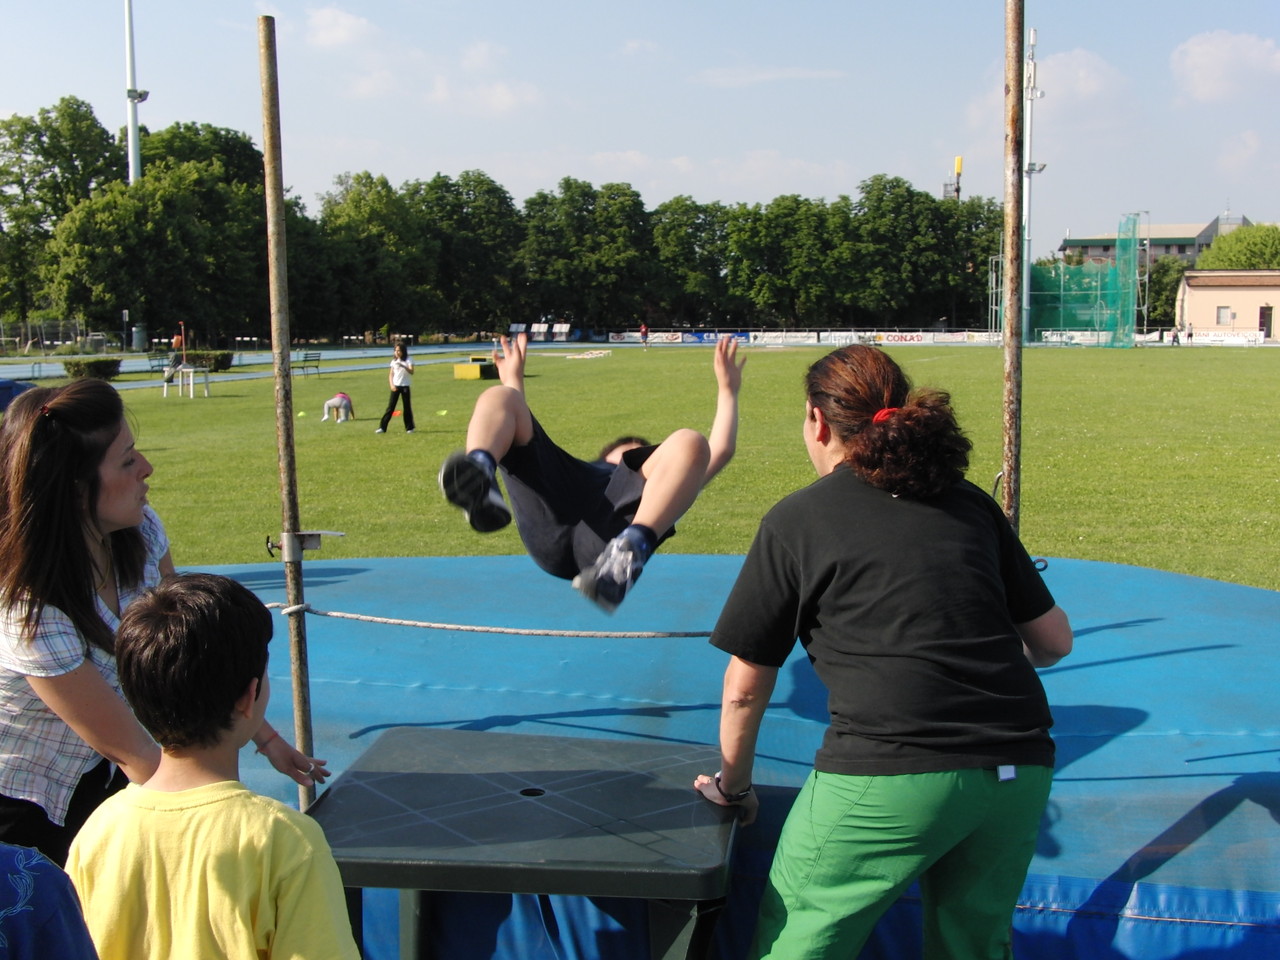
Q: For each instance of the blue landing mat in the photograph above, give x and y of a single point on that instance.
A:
(1162, 837)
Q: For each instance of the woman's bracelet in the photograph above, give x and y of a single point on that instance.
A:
(733, 797)
(263, 745)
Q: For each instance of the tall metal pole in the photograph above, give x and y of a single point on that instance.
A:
(290, 543)
(1031, 168)
(1011, 469)
(133, 95)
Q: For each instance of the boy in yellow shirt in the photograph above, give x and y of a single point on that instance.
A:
(193, 863)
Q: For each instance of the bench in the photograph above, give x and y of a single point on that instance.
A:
(310, 361)
(158, 361)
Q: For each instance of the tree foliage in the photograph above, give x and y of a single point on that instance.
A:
(187, 242)
(1162, 290)
(1255, 247)
(48, 164)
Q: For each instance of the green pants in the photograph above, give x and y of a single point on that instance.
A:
(852, 844)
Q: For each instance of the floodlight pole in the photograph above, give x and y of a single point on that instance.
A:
(133, 95)
(280, 339)
(1030, 169)
(1011, 471)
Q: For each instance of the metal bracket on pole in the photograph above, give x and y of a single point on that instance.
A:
(291, 545)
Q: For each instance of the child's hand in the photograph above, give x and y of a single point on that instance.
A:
(510, 361)
(728, 370)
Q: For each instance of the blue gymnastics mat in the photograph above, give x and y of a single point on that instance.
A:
(1162, 838)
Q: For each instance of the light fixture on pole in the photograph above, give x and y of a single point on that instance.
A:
(1033, 93)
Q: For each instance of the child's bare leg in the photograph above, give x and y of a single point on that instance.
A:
(500, 420)
(673, 476)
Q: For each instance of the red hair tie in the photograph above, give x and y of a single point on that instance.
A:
(44, 410)
(882, 415)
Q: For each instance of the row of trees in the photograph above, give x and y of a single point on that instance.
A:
(188, 242)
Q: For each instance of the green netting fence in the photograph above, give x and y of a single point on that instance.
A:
(1093, 304)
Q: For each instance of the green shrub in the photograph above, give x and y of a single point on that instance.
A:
(215, 360)
(105, 368)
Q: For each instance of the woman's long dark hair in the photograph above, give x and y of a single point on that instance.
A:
(52, 443)
(895, 438)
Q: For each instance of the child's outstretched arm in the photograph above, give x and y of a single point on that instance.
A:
(723, 439)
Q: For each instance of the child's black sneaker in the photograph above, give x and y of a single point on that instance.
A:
(469, 485)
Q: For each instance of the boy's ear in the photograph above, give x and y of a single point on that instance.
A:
(246, 700)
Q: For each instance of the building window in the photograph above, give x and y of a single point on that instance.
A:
(1182, 248)
(1224, 316)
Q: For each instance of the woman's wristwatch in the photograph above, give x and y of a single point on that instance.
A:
(733, 797)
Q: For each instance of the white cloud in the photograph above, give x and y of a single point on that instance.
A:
(491, 99)
(635, 47)
(482, 55)
(330, 27)
(749, 76)
(1214, 66)
(622, 163)
(376, 83)
(1079, 76)
(1240, 153)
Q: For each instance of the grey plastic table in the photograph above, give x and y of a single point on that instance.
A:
(458, 810)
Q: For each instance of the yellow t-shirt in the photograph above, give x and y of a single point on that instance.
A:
(217, 871)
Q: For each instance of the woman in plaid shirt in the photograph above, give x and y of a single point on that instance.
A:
(78, 543)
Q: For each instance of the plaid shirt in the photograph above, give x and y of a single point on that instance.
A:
(41, 758)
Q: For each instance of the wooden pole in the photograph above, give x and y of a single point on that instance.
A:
(1011, 461)
(280, 341)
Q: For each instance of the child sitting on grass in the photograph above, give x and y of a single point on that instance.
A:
(193, 863)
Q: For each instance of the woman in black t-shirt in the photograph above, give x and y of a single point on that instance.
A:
(924, 617)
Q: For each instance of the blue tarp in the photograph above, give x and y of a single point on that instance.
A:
(1162, 838)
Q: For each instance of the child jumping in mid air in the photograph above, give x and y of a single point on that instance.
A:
(194, 864)
(595, 523)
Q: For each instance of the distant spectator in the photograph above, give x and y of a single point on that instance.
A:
(400, 377)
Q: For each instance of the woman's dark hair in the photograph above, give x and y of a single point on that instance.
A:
(186, 653)
(915, 448)
(612, 445)
(401, 349)
(52, 443)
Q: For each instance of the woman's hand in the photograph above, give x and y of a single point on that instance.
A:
(750, 804)
(292, 762)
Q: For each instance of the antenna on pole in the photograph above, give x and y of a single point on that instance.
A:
(951, 189)
(132, 94)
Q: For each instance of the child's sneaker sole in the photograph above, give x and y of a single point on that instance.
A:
(466, 484)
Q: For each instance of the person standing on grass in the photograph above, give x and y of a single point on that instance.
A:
(400, 376)
(925, 619)
(595, 523)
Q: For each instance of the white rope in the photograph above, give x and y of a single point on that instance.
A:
(464, 628)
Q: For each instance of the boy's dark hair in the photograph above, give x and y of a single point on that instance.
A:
(612, 445)
(186, 652)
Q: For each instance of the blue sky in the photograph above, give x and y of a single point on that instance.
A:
(1168, 108)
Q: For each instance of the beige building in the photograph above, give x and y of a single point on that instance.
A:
(1183, 240)
(1228, 306)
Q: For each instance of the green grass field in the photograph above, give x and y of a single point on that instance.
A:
(1160, 458)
